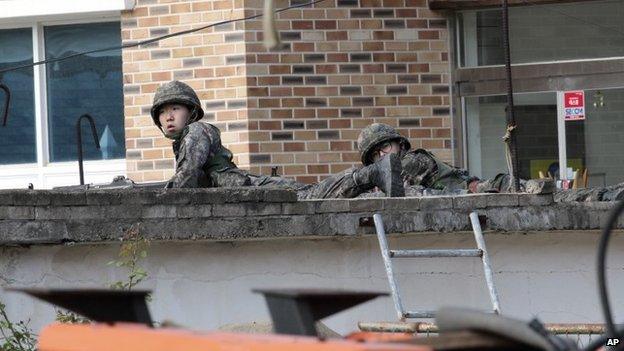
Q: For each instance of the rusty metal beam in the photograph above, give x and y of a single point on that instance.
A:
(480, 4)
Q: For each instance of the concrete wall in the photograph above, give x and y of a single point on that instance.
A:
(204, 285)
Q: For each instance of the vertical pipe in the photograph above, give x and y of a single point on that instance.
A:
(79, 141)
(511, 121)
(7, 101)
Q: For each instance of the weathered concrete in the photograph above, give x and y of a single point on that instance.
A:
(52, 217)
(204, 257)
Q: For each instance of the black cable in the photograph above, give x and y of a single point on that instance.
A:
(152, 40)
(602, 281)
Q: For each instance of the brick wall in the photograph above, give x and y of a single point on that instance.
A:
(345, 64)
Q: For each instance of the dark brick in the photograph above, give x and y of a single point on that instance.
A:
(303, 69)
(282, 136)
(316, 124)
(360, 57)
(351, 112)
(290, 35)
(394, 24)
(183, 74)
(437, 23)
(360, 13)
(312, 102)
(192, 62)
(328, 134)
(158, 31)
(293, 125)
(233, 60)
(237, 104)
(350, 90)
(314, 58)
(409, 122)
(350, 69)
(316, 80)
(383, 13)
(396, 90)
(440, 89)
(441, 111)
(396, 67)
(236, 126)
(431, 78)
(231, 37)
(292, 80)
(260, 158)
(226, 27)
(160, 54)
(347, 2)
(215, 105)
(408, 78)
(363, 101)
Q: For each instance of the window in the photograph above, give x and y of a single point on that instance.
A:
(579, 30)
(18, 141)
(40, 137)
(85, 84)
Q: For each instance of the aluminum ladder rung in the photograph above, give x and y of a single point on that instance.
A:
(436, 253)
(419, 314)
(387, 256)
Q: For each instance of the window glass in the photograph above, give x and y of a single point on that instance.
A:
(578, 30)
(89, 84)
(17, 139)
(602, 138)
(537, 146)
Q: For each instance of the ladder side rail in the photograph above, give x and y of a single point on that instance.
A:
(487, 270)
(385, 254)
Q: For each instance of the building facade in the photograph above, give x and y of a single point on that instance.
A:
(431, 68)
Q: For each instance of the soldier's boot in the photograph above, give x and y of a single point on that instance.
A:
(384, 174)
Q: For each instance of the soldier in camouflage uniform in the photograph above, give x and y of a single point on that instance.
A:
(423, 173)
(202, 161)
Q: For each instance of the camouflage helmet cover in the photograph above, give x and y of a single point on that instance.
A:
(176, 92)
(375, 134)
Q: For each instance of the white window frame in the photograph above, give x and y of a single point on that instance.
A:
(45, 174)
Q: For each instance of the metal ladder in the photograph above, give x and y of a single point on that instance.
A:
(388, 255)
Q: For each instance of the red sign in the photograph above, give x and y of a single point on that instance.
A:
(574, 105)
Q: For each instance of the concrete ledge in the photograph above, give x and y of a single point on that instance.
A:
(226, 214)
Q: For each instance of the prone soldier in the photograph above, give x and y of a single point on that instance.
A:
(202, 161)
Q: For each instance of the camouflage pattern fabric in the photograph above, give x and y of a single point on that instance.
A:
(202, 161)
(422, 168)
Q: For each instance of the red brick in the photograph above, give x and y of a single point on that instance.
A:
(294, 147)
(337, 35)
(325, 25)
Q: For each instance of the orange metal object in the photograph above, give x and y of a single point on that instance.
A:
(132, 337)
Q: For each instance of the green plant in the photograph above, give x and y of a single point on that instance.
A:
(15, 336)
(133, 250)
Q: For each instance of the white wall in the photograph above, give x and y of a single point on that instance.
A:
(205, 285)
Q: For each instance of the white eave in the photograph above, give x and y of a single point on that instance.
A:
(18, 9)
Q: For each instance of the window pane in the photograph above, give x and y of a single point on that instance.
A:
(600, 138)
(537, 146)
(85, 84)
(17, 139)
(580, 30)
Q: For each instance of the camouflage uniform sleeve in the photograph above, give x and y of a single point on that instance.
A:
(198, 144)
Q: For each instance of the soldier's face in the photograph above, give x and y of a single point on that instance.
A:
(389, 147)
(173, 118)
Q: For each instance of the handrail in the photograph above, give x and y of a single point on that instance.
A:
(79, 141)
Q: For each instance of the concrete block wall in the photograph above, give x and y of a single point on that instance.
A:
(345, 64)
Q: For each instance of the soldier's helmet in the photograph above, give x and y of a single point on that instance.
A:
(176, 92)
(374, 135)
